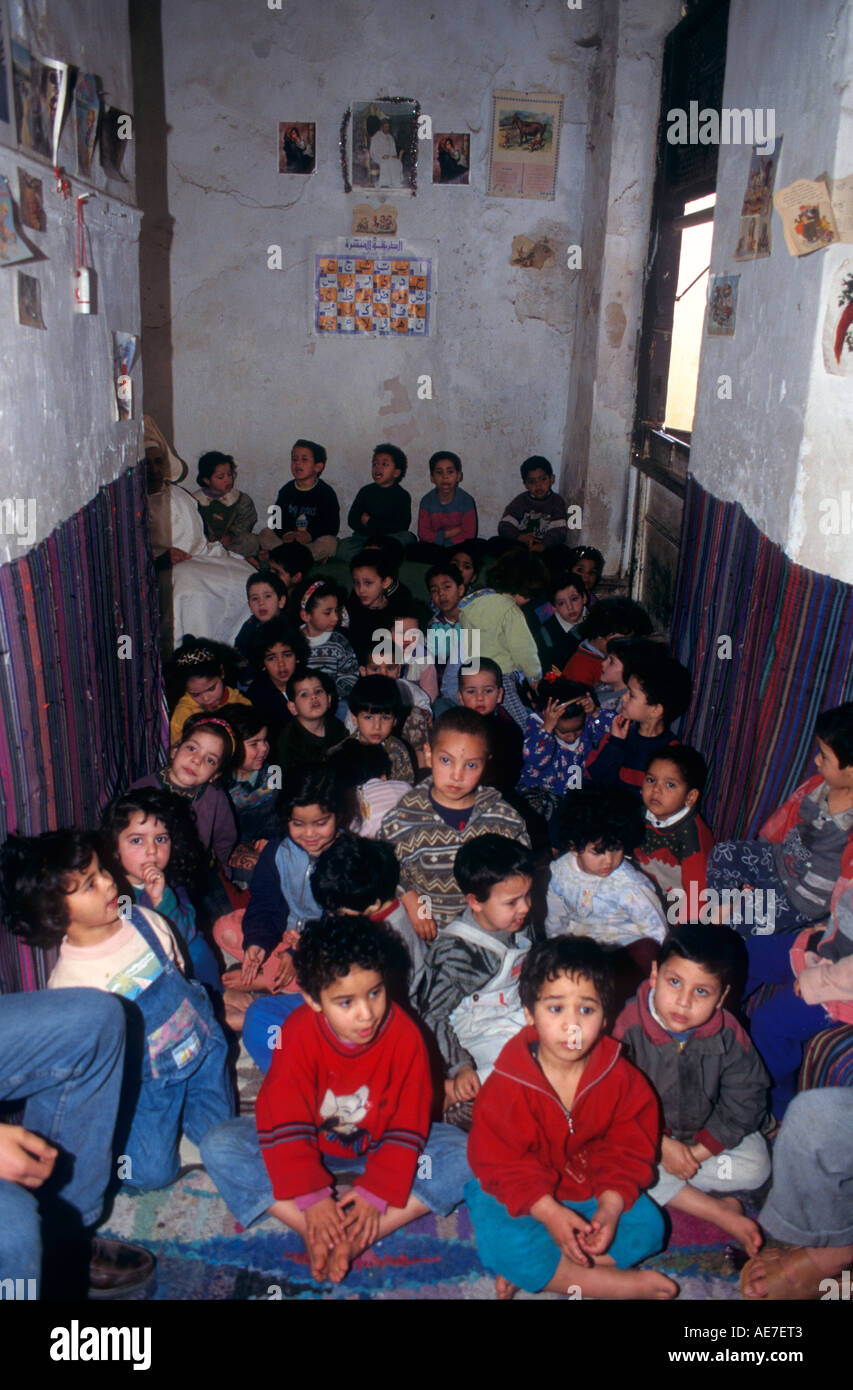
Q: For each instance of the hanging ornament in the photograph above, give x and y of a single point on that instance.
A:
(84, 275)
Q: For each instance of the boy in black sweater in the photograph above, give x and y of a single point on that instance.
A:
(381, 508)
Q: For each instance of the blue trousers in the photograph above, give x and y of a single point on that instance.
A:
(780, 1025)
(262, 1024)
(61, 1051)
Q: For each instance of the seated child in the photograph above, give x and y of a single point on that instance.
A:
(593, 891)
(524, 576)
(252, 788)
(446, 587)
(419, 670)
(414, 701)
(813, 973)
(613, 617)
(368, 607)
(806, 845)
(494, 622)
(197, 668)
(292, 563)
(261, 936)
(612, 683)
(381, 508)
(308, 510)
(557, 741)
(363, 773)
(588, 564)
(267, 597)
(348, 1091)
(328, 649)
(446, 515)
(176, 1075)
(467, 556)
(229, 515)
(433, 820)
(536, 517)
(150, 845)
(375, 707)
(563, 1143)
(567, 597)
(202, 756)
(481, 688)
(709, 1079)
(675, 848)
(469, 993)
(658, 691)
(313, 730)
(276, 651)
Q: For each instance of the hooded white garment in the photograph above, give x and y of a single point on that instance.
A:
(208, 590)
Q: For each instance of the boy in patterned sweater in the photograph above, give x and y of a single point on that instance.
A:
(537, 517)
(431, 822)
(677, 842)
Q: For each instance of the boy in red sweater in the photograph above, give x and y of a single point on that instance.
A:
(348, 1091)
(563, 1143)
(677, 842)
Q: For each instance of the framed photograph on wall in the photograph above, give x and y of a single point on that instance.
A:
(384, 144)
(524, 145)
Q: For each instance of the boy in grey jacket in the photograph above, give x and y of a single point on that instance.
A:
(710, 1081)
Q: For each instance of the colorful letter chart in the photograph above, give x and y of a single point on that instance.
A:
(372, 292)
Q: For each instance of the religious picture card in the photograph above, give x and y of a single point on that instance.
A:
(722, 305)
(33, 134)
(754, 237)
(124, 356)
(12, 247)
(524, 144)
(807, 217)
(450, 157)
(297, 147)
(29, 301)
(87, 104)
(31, 202)
(384, 145)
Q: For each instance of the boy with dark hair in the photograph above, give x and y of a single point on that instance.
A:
(375, 597)
(557, 741)
(806, 846)
(536, 517)
(469, 996)
(313, 730)
(563, 1143)
(276, 650)
(611, 617)
(710, 1080)
(381, 508)
(292, 562)
(376, 707)
(481, 688)
(677, 842)
(348, 1090)
(309, 507)
(593, 891)
(267, 597)
(432, 821)
(446, 515)
(658, 691)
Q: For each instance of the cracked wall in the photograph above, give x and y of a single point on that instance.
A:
(246, 373)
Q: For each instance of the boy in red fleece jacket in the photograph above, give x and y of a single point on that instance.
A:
(563, 1142)
(348, 1090)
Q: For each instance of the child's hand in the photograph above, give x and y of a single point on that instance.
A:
(555, 671)
(552, 713)
(365, 518)
(361, 1219)
(466, 1084)
(620, 726)
(677, 1159)
(604, 1221)
(304, 537)
(426, 928)
(586, 703)
(324, 1223)
(253, 959)
(154, 881)
(243, 858)
(285, 973)
(259, 846)
(176, 555)
(564, 1226)
(262, 557)
(797, 990)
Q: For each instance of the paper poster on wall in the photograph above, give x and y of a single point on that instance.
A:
(451, 153)
(370, 286)
(524, 144)
(755, 236)
(7, 127)
(31, 202)
(722, 305)
(124, 356)
(116, 127)
(12, 247)
(368, 219)
(33, 134)
(841, 196)
(29, 301)
(837, 338)
(297, 145)
(807, 217)
(384, 144)
(87, 103)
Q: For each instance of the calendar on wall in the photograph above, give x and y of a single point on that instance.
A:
(364, 286)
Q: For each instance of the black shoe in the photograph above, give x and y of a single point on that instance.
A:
(117, 1268)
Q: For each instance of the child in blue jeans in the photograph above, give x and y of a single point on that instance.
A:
(176, 1080)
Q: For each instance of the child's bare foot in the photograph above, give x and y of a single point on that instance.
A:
(745, 1231)
(318, 1259)
(340, 1259)
(606, 1281)
(503, 1288)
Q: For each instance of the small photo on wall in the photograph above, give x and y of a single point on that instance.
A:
(29, 301)
(87, 105)
(722, 305)
(296, 147)
(450, 157)
(384, 146)
(32, 202)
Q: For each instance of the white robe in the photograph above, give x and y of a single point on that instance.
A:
(209, 590)
(383, 152)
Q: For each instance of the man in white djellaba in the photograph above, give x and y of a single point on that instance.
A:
(383, 151)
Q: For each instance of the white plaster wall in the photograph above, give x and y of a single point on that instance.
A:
(782, 442)
(58, 440)
(249, 377)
